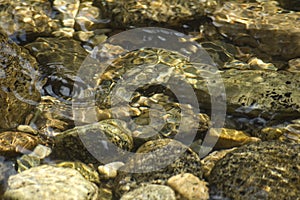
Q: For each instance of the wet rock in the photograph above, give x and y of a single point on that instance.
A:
(59, 61)
(102, 142)
(267, 94)
(88, 172)
(150, 192)
(24, 21)
(155, 162)
(34, 158)
(110, 170)
(19, 91)
(266, 27)
(13, 143)
(229, 138)
(88, 17)
(294, 65)
(189, 187)
(210, 160)
(132, 13)
(68, 10)
(265, 170)
(48, 182)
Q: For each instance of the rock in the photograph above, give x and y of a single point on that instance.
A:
(19, 92)
(155, 162)
(13, 143)
(266, 28)
(259, 93)
(189, 186)
(264, 170)
(34, 158)
(110, 170)
(48, 182)
(102, 142)
(294, 65)
(67, 10)
(59, 61)
(150, 192)
(210, 160)
(24, 21)
(142, 13)
(229, 138)
(88, 172)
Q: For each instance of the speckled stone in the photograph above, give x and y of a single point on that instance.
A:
(155, 162)
(210, 160)
(264, 170)
(19, 91)
(150, 192)
(48, 182)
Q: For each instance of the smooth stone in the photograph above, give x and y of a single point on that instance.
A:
(189, 186)
(51, 183)
(110, 170)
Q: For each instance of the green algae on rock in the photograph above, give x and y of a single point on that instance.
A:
(264, 170)
(19, 91)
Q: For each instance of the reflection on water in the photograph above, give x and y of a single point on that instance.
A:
(253, 45)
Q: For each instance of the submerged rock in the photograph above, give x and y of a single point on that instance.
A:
(140, 13)
(25, 20)
(262, 25)
(101, 142)
(155, 162)
(264, 170)
(48, 182)
(189, 187)
(150, 192)
(19, 91)
(14, 143)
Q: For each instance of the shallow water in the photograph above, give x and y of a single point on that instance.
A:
(236, 64)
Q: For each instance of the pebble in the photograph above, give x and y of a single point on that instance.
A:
(110, 170)
(189, 186)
